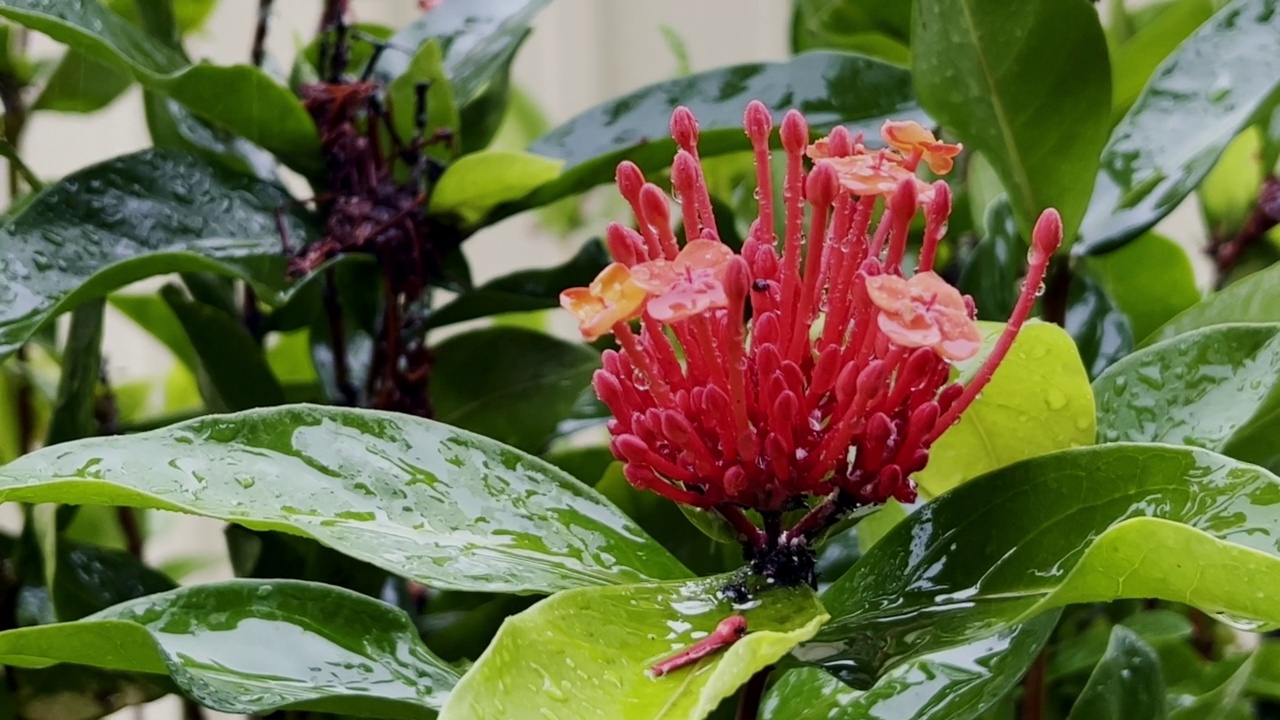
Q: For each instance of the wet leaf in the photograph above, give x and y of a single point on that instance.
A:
(829, 88)
(1255, 299)
(1216, 388)
(1150, 280)
(1127, 683)
(1041, 383)
(509, 384)
(471, 187)
(951, 684)
(524, 290)
(1037, 108)
(438, 505)
(594, 646)
(252, 646)
(1102, 333)
(241, 98)
(1197, 101)
(992, 271)
(1087, 525)
(1138, 57)
(74, 412)
(74, 242)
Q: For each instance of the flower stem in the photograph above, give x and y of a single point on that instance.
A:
(747, 530)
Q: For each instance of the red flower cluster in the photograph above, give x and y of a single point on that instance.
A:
(841, 379)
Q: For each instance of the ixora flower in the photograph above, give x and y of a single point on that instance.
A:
(806, 376)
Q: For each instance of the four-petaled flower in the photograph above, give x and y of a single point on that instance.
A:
(840, 380)
(612, 298)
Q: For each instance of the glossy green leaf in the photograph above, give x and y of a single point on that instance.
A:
(829, 88)
(1216, 388)
(1131, 275)
(241, 98)
(581, 651)
(525, 290)
(1255, 299)
(1086, 525)
(1037, 108)
(74, 414)
(441, 506)
(1127, 683)
(252, 646)
(1041, 383)
(174, 126)
(1080, 654)
(1197, 101)
(992, 272)
(509, 384)
(90, 579)
(868, 27)
(1224, 701)
(955, 683)
(1138, 57)
(427, 66)
(74, 242)
(1102, 332)
(477, 183)
(238, 377)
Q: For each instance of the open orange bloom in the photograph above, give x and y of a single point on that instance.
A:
(925, 311)
(876, 174)
(911, 139)
(613, 297)
(692, 283)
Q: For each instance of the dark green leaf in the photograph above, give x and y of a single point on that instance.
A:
(1131, 275)
(444, 507)
(1216, 388)
(251, 646)
(869, 27)
(175, 126)
(78, 693)
(1138, 57)
(992, 271)
(240, 98)
(525, 290)
(509, 384)
(1127, 683)
(73, 414)
(591, 648)
(1086, 525)
(955, 683)
(75, 241)
(229, 357)
(1225, 700)
(90, 579)
(1102, 333)
(1077, 655)
(1199, 98)
(829, 88)
(1255, 299)
(1037, 107)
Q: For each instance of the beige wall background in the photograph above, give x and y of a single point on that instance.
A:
(581, 52)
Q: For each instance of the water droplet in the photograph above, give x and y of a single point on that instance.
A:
(1055, 399)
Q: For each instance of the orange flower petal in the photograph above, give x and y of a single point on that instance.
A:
(691, 284)
(925, 311)
(910, 137)
(613, 297)
(705, 255)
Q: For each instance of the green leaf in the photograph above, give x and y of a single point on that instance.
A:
(241, 98)
(1159, 628)
(75, 242)
(876, 29)
(91, 578)
(251, 646)
(1229, 192)
(509, 384)
(1198, 100)
(74, 413)
(993, 270)
(1127, 683)
(1037, 107)
(237, 371)
(1128, 274)
(591, 648)
(427, 66)
(81, 84)
(1255, 299)
(1040, 384)
(1101, 332)
(1221, 702)
(173, 125)
(525, 290)
(951, 684)
(829, 88)
(1087, 525)
(1138, 57)
(477, 183)
(1216, 388)
(441, 506)
(77, 693)
(154, 315)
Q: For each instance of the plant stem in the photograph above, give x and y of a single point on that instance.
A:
(1226, 253)
(742, 524)
(259, 51)
(1033, 689)
(753, 694)
(821, 517)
